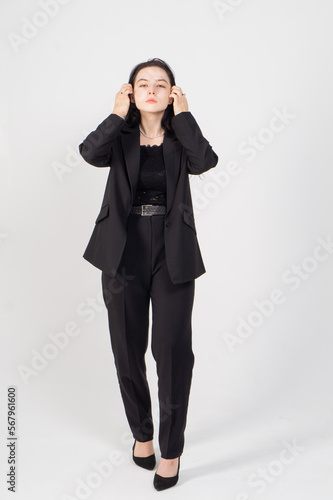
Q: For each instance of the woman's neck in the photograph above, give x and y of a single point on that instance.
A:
(151, 125)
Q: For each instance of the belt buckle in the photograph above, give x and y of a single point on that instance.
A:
(142, 209)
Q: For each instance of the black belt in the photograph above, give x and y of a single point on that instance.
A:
(148, 209)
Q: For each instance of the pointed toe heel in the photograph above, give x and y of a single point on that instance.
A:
(144, 462)
(162, 483)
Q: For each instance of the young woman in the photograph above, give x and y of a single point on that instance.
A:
(145, 243)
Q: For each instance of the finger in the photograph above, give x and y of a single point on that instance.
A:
(126, 91)
(175, 93)
(126, 88)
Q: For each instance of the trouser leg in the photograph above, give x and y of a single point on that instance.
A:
(172, 306)
(128, 315)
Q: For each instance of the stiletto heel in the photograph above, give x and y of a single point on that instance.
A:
(145, 462)
(162, 483)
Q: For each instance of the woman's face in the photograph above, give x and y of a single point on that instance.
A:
(152, 83)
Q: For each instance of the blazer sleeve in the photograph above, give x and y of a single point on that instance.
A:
(201, 156)
(96, 148)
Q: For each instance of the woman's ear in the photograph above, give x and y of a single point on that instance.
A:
(132, 98)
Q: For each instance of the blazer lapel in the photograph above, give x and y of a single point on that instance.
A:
(130, 138)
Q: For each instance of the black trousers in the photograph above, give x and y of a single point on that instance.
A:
(142, 276)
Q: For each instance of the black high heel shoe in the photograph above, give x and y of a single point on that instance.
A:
(145, 462)
(162, 483)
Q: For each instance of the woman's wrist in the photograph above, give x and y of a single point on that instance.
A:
(115, 112)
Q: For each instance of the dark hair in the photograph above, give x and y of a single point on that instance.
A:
(133, 115)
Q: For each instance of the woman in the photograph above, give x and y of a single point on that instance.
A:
(145, 243)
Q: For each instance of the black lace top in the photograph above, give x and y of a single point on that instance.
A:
(151, 187)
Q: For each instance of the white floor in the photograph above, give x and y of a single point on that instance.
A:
(280, 455)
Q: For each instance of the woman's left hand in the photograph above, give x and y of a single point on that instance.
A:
(179, 100)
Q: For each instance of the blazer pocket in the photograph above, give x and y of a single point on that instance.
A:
(189, 220)
(103, 213)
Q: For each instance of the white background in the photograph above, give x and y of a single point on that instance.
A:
(238, 62)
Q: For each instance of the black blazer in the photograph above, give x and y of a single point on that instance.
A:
(116, 145)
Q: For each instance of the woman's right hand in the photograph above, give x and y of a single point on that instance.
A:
(122, 101)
